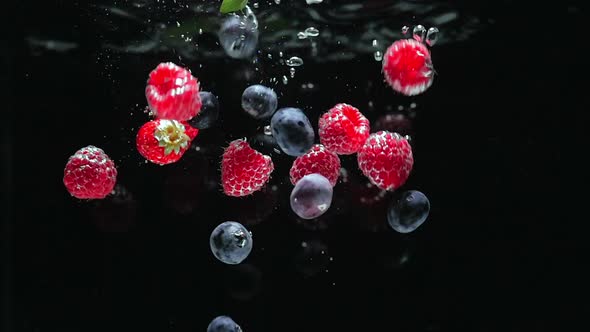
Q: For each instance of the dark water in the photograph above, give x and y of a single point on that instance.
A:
(488, 140)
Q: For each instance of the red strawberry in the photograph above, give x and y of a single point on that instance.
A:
(164, 141)
(317, 160)
(386, 159)
(173, 93)
(343, 129)
(90, 174)
(407, 67)
(243, 169)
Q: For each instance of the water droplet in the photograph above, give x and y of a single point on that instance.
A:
(178, 24)
(312, 32)
(267, 130)
(294, 61)
(277, 1)
(413, 105)
(405, 29)
(432, 36)
(255, 5)
(419, 33)
(280, 54)
(269, 56)
(200, 31)
(313, 2)
(375, 44)
(292, 71)
(378, 56)
(285, 80)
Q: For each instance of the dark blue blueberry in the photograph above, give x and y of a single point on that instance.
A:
(230, 242)
(238, 36)
(292, 130)
(209, 111)
(223, 324)
(259, 101)
(408, 212)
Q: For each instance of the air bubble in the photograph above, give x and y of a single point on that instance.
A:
(378, 56)
(294, 61)
(375, 43)
(301, 35)
(312, 32)
(292, 72)
(432, 36)
(267, 130)
(405, 29)
(419, 33)
(278, 2)
(285, 80)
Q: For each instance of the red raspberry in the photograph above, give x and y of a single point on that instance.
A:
(343, 129)
(164, 141)
(173, 93)
(90, 174)
(317, 160)
(386, 159)
(407, 67)
(243, 169)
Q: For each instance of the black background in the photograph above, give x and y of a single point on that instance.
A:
(490, 139)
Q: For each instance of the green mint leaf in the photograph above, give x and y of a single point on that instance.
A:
(228, 6)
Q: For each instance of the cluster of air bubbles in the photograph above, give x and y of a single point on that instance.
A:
(309, 32)
(419, 33)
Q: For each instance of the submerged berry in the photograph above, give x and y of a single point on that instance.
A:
(312, 196)
(209, 111)
(292, 130)
(408, 212)
(90, 174)
(230, 242)
(173, 93)
(259, 101)
(407, 67)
